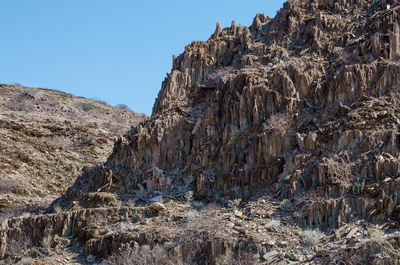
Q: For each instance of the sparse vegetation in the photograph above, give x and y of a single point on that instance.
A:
(292, 116)
(241, 258)
(144, 255)
(308, 200)
(15, 211)
(18, 245)
(286, 204)
(86, 106)
(279, 122)
(273, 225)
(340, 172)
(358, 187)
(16, 85)
(123, 106)
(235, 203)
(219, 74)
(344, 57)
(196, 234)
(89, 141)
(10, 185)
(312, 237)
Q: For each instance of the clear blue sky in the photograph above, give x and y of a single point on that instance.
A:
(118, 51)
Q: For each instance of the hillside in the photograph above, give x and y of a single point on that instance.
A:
(46, 138)
(276, 143)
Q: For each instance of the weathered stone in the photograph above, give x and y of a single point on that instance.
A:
(304, 106)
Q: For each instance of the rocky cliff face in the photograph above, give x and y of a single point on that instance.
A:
(305, 103)
(301, 110)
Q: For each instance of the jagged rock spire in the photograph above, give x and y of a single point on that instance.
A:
(217, 31)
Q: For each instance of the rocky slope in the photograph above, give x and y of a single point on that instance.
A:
(46, 138)
(257, 136)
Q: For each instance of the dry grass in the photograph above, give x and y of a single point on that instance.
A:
(196, 235)
(308, 200)
(220, 74)
(142, 256)
(9, 185)
(15, 211)
(190, 245)
(242, 258)
(17, 246)
(339, 171)
(344, 57)
(279, 122)
(43, 150)
(312, 237)
(377, 239)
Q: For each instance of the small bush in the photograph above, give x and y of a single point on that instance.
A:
(17, 245)
(192, 215)
(15, 211)
(340, 172)
(344, 57)
(100, 101)
(278, 122)
(123, 106)
(235, 203)
(286, 204)
(89, 141)
(273, 226)
(219, 74)
(16, 84)
(241, 258)
(143, 256)
(308, 200)
(86, 106)
(197, 233)
(312, 237)
(9, 185)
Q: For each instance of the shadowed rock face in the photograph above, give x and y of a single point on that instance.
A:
(327, 71)
(296, 115)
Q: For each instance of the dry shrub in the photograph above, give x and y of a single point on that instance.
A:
(11, 212)
(20, 102)
(17, 246)
(86, 106)
(340, 171)
(279, 122)
(143, 256)
(377, 239)
(312, 237)
(17, 105)
(15, 211)
(220, 74)
(344, 57)
(308, 200)
(197, 234)
(241, 258)
(9, 185)
(123, 106)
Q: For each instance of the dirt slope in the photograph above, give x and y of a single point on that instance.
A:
(47, 137)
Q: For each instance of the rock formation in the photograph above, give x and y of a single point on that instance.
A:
(330, 66)
(294, 117)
